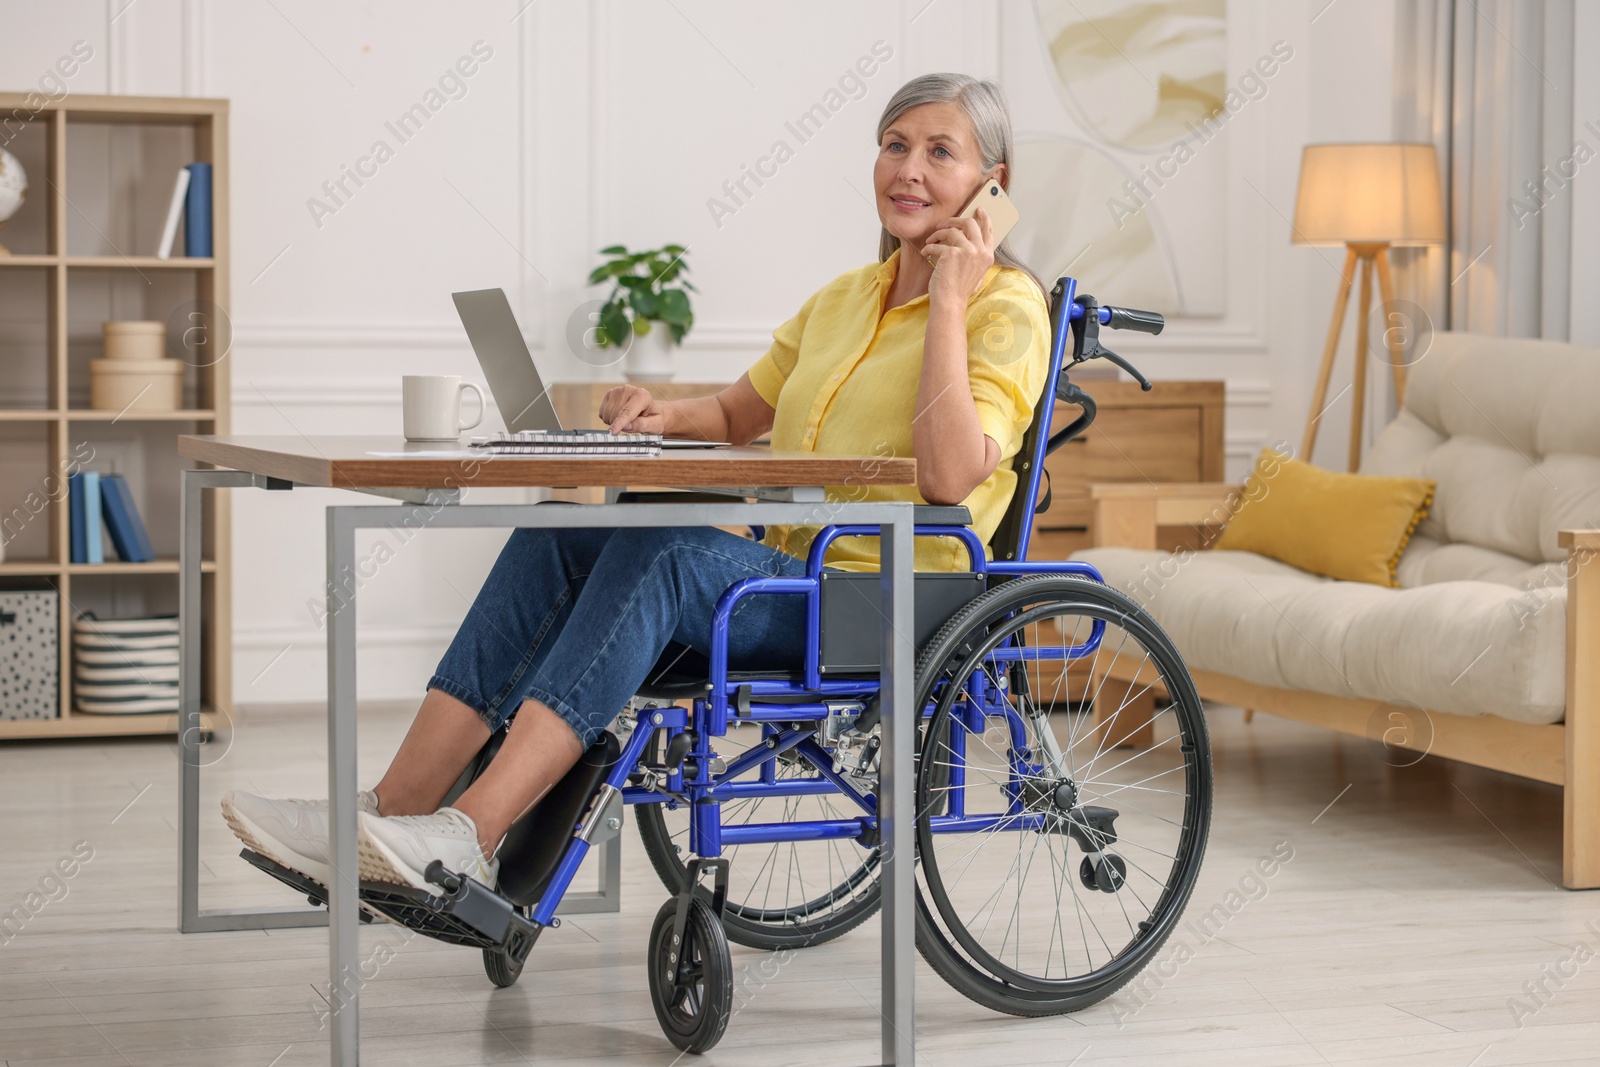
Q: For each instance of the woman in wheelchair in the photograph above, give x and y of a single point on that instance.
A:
(1063, 779)
(943, 360)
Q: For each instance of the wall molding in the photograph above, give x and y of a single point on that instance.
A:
(385, 334)
(1249, 392)
(1245, 445)
(274, 639)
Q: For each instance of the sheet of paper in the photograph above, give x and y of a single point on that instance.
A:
(460, 453)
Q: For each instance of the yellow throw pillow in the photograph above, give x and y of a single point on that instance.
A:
(1350, 526)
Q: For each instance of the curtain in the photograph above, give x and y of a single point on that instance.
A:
(1489, 83)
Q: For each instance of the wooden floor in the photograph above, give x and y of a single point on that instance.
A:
(1419, 922)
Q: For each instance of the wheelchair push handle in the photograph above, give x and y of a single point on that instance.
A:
(1132, 319)
(1119, 318)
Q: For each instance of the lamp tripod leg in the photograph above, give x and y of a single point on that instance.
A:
(1320, 395)
(1394, 333)
(1358, 380)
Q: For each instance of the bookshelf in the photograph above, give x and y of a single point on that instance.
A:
(100, 172)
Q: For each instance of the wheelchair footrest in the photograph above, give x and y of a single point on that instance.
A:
(470, 913)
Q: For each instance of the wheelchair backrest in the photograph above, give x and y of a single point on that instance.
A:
(1010, 541)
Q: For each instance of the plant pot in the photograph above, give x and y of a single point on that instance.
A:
(649, 357)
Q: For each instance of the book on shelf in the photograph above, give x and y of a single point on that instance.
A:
(197, 212)
(169, 232)
(94, 540)
(83, 492)
(128, 535)
(75, 515)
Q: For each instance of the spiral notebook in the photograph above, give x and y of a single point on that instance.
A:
(570, 443)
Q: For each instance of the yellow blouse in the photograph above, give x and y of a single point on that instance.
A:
(842, 377)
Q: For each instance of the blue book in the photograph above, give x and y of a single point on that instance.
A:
(197, 212)
(94, 540)
(127, 530)
(75, 504)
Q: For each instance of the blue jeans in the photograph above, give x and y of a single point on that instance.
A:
(577, 619)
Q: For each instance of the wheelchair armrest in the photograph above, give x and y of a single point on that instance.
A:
(942, 515)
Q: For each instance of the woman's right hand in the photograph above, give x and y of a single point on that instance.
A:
(631, 409)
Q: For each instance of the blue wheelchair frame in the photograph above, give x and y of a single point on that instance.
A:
(709, 717)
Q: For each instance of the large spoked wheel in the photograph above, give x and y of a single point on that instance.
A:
(788, 895)
(1056, 853)
(692, 990)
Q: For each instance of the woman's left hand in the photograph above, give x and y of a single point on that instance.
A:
(963, 250)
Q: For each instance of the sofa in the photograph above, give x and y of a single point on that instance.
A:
(1489, 649)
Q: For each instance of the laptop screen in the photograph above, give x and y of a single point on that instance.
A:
(507, 364)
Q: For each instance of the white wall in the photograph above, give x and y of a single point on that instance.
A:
(615, 122)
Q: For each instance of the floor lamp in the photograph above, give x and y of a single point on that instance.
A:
(1366, 197)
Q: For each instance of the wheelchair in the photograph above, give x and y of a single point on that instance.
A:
(1055, 714)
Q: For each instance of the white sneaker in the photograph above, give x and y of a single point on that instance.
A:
(397, 850)
(293, 833)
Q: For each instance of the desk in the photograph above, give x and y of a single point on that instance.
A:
(425, 488)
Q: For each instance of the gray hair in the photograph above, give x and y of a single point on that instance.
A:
(986, 109)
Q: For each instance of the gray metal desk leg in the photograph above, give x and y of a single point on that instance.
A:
(344, 887)
(896, 797)
(190, 551)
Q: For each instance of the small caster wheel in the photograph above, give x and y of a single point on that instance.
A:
(1108, 874)
(502, 967)
(502, 970)
(693, 991)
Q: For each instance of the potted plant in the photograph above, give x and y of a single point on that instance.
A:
(643, 303)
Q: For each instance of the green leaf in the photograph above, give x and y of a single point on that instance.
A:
(675, 306)
(672, 250)
(646, 304)
(614, 327)
(677, 332)
(687, 284)
(630, 281)
(641, 326)
(615, 250)
(598, 275)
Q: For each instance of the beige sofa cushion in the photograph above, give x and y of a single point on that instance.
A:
(1508, 431)
(1470, 647)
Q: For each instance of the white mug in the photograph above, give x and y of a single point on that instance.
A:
(432, 406)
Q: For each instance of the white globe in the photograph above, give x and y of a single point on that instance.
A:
(13, 185)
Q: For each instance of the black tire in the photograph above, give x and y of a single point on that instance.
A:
(947, 939)
(841, 898)
(693, 996)
(502, 970)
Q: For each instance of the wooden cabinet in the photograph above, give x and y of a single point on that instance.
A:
(1173, 433)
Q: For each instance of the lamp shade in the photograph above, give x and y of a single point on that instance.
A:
(1369, 193)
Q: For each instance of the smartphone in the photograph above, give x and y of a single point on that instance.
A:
(1002, 211)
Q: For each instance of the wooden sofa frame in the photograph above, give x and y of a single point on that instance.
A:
(1565, 754)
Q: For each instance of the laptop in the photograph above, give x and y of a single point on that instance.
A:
(513, 376)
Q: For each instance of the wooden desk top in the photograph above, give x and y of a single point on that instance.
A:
(345, 463)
